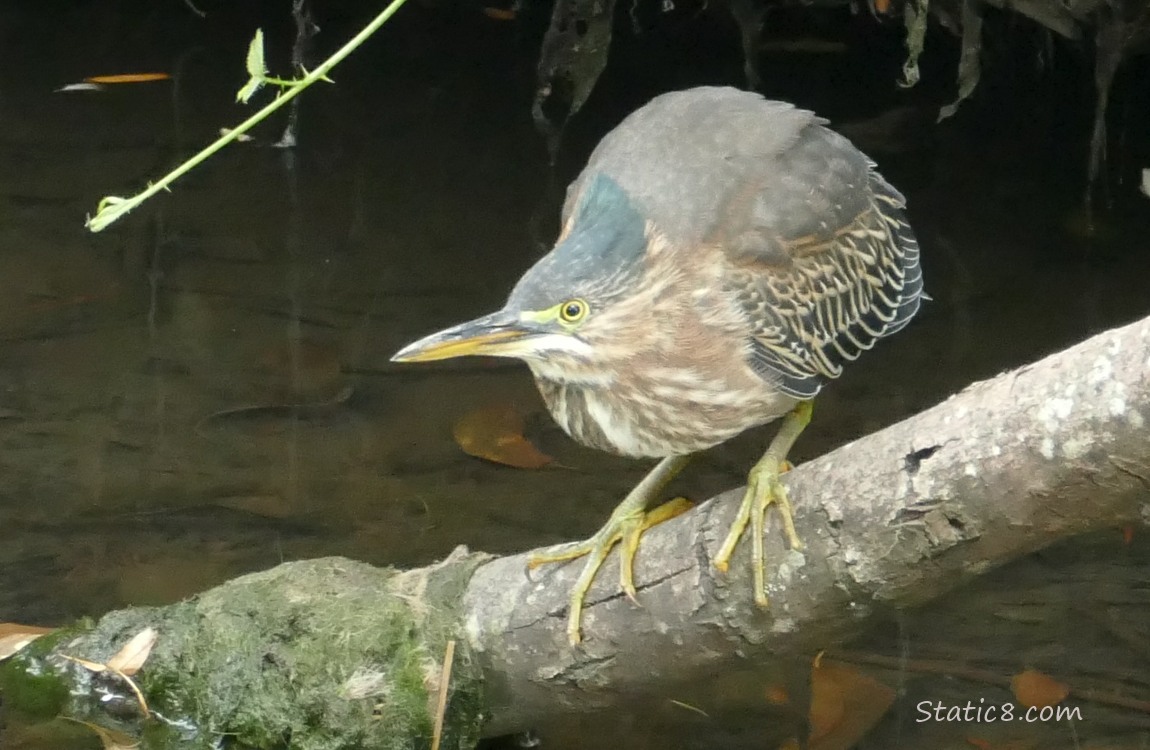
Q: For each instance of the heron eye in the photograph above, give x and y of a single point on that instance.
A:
(573, 311)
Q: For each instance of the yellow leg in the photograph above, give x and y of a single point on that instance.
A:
(763, 490)
(626, 524)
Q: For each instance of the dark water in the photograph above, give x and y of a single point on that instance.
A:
(205, 390)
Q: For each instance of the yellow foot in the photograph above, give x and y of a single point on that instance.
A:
(625, 526)
(763, 490)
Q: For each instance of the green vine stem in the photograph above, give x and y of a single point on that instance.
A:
(111, 208)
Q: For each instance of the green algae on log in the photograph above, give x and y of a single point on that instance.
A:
(326, 654)
(29, 687)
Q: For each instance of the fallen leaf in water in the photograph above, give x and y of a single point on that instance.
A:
(135, 652)
(984, 744)
(14, 637)
(128, 78)
(777, 695)
(499, 14)
(1034, 689)
(495, 433)
(109, 738)
(845, 705)
(828, 704)
(301, 370)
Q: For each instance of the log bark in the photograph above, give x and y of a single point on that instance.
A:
(1005, 467)
(1008, 466)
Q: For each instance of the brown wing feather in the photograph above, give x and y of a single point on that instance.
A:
(840, 272)
(817, 250)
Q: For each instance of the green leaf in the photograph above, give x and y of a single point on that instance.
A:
(249, 90)
(257, 68)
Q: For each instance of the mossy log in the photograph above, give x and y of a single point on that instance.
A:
(334, 654)
(327, 653)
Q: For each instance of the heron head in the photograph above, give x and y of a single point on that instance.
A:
(562, 317)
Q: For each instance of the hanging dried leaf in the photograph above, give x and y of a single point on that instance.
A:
(915, 13)
(1034, 689)
(495, 433)
(969, 63)
(132, 656)
(14, 637)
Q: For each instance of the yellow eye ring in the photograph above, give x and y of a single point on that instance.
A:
(572, 311)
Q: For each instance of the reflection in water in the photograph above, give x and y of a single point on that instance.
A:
(205, 389)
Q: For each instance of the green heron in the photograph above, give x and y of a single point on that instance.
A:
(722, 256)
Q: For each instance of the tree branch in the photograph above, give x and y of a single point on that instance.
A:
(1005, 467)
(336, 654)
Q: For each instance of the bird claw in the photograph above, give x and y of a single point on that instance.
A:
(624, 529)
(763, 490)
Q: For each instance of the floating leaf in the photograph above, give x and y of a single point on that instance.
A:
(495, 433)
(128, 78)
(14, 637)
(135, 652)
(1034, 689)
